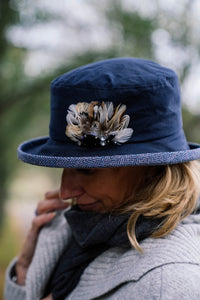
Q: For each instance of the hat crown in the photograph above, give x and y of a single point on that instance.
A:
(141, 95)
(115, 73)
(149, 91)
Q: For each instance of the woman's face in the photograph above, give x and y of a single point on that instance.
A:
(100, 190)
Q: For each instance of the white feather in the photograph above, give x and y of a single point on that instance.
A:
(123, 135)
(121, 110)
(73, 109)
(115, 121)
(101, 119)
(95, 110)
(71, 119)
(103, 114)
(109, 106)
(125, 121)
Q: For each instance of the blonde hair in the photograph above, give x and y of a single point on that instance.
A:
(169, 192)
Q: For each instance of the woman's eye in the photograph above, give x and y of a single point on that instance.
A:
(86, 171)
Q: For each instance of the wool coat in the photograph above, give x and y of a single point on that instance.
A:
(168, 268)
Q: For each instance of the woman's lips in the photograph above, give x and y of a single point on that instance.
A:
(87, 206)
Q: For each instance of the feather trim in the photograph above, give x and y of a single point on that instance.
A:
(97, 124)
(123, 135)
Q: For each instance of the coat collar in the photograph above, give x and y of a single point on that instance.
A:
(115, 266)
(51, 243)
(120, 265)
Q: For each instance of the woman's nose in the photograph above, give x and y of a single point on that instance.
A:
(70, 186)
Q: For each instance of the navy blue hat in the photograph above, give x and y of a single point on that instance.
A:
(116, 112)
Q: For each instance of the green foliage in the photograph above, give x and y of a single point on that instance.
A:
(191, 126)
(24, 101)
(135, 31)
(10, 245)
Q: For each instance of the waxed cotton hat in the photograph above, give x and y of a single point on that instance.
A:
(111, 113)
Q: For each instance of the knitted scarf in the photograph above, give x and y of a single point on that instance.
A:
(92, 234)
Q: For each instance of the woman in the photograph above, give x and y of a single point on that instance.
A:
(133, 229)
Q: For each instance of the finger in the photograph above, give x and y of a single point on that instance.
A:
(29, 245)
(41, 220)
(32, 236)
(52, 194)
(45, 206)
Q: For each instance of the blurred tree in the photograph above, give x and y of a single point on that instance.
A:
(7, 17)
(133, 31)
(191, 124)
(24, 100)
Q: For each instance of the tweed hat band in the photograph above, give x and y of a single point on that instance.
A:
(117, 112)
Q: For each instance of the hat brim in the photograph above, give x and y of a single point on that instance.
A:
(49, 153)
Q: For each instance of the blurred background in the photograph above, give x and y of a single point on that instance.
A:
(42, 39)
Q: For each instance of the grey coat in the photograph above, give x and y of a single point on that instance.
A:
(168, 269)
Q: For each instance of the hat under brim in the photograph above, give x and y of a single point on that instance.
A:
(49, 153)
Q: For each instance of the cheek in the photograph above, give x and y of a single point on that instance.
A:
(99, 188)
(121, 188)
(92, 186)
(108, 189)
(111, 192)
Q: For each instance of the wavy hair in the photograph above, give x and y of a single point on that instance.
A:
(169, 192)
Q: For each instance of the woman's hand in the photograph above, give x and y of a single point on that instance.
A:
(46, 211)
